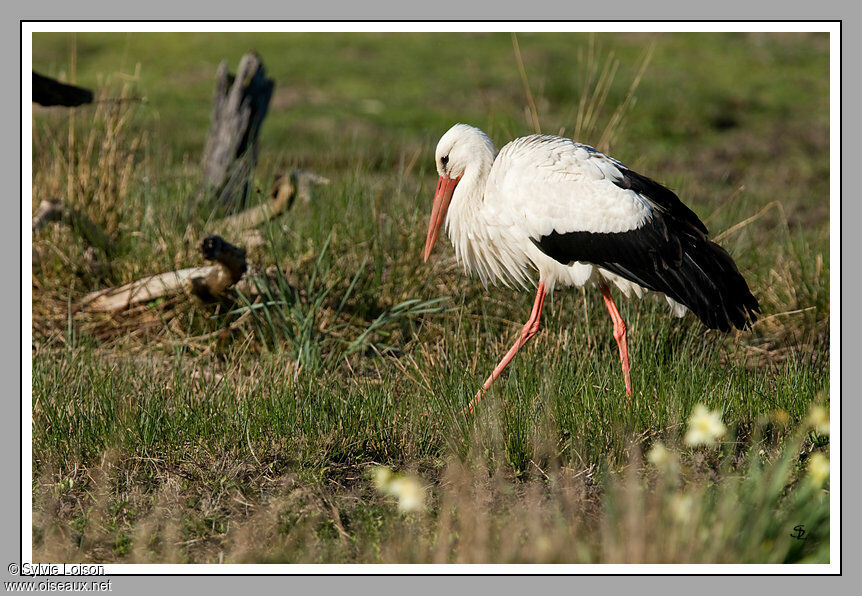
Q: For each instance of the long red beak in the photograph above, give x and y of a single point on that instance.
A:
(442, 197)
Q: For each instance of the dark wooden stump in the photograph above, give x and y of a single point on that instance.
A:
(50, 92)
(239, 108)
(229, 269)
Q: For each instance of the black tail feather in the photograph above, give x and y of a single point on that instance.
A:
(707, 282)
(669, 253)
(681, 263)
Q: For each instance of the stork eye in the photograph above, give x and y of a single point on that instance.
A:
(444, 160)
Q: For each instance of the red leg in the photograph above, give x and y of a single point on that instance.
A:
(619, 335)
(529, 330)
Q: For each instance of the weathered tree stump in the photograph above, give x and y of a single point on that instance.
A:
(230, 155)
(51, 92)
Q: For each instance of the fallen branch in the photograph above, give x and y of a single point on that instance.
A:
(143, 290)
(208, 283)
(285, 190)
(55, 210)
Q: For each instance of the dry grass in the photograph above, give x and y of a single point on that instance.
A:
(95, 166)
(686, 512)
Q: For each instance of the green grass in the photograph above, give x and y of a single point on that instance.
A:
(184, 433)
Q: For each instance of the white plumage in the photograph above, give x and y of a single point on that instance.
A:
(576, 216)
(526, 191)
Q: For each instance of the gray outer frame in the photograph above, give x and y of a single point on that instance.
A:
(442, 10)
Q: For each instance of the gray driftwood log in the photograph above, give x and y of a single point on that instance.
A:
(209, 283)
(239, 107)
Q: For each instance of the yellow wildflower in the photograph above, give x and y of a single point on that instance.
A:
(408, 491)
(704, 427)
(662, 457)
(382, 477)
(818, 418)
(682, 507)
(818, 469)
(410, 494)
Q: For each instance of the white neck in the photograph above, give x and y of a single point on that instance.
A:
(472, 227)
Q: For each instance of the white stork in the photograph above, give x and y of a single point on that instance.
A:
(577, 216)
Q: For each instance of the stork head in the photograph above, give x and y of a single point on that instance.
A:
(463, 149)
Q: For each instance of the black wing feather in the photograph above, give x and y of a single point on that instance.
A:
(661, 197)
(670, 254)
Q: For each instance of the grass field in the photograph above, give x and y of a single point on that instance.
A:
(264, 432)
